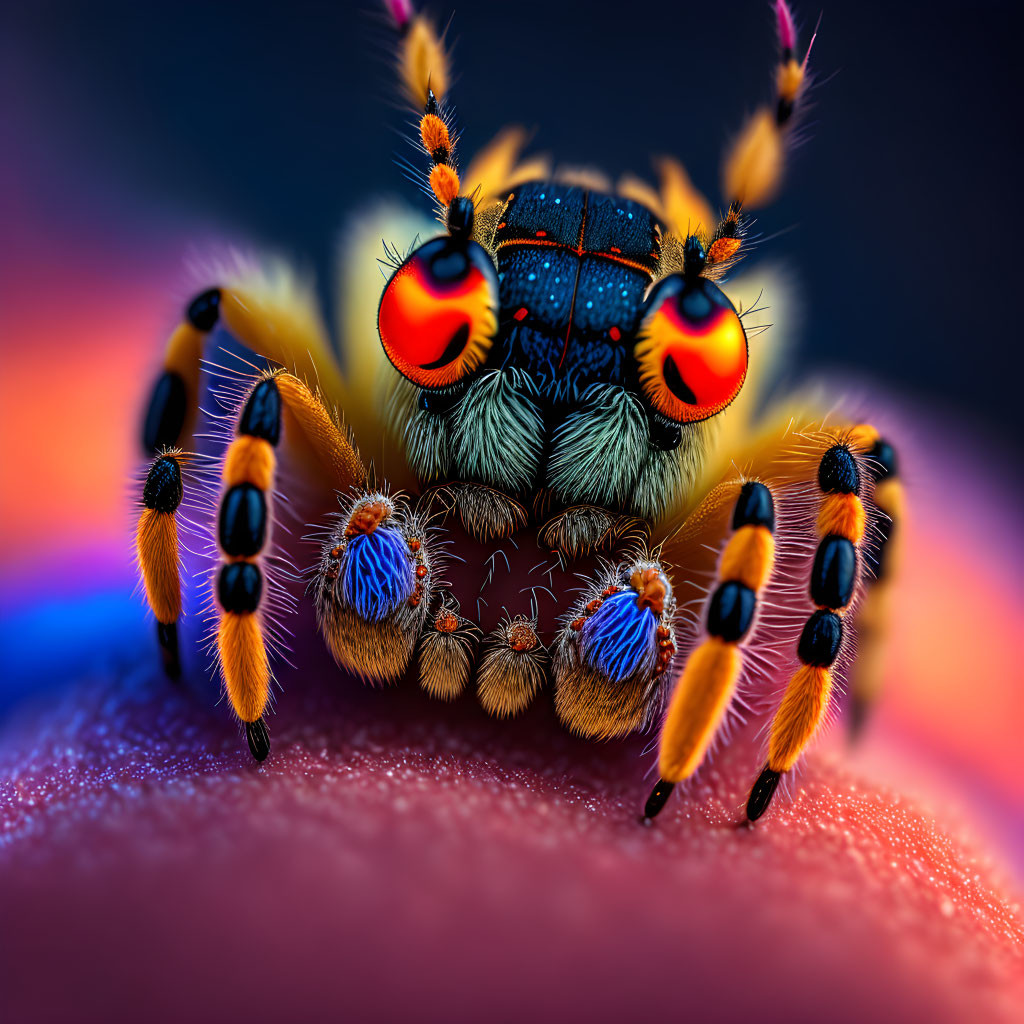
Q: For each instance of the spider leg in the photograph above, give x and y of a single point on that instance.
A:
(243, 533)
(834, 577)
(156, 546)
(708, 681)
(274, 320)
(881, 563)
(283, 328)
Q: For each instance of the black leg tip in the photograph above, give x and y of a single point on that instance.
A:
(657, 800)
(259, 739)
(762, 793)
(167, 634)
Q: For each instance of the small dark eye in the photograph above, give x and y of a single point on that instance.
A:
(437, 316)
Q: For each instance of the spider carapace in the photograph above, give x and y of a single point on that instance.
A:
(572, 380)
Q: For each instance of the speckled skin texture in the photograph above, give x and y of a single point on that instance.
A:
(397, 858)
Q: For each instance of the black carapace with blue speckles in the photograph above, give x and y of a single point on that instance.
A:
(573, 267)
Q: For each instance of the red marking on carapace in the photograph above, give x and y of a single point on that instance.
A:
(542, 234)
(521, 313)
(614, 333)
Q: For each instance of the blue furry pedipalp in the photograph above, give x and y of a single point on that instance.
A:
(377, 575)
(619, 637)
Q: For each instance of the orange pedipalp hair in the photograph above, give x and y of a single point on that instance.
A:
(156, 543)
(244, 664)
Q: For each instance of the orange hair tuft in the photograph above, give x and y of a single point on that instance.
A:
(445, 183)
(434, 133)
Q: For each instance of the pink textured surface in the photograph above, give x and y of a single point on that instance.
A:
(398, 858)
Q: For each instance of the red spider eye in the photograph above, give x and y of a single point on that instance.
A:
(437, 315)
(691, 349)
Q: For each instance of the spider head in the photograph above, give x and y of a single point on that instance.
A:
(548, 363)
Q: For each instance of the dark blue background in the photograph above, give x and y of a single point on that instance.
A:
(274, 120)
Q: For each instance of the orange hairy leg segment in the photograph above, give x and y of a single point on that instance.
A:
(708, 682)
(802, 709)
(753, 170)
(434, 135)
(749, 556)
(790, 78)
(250, 460)
(842, 514)
(270, 312)
(287, 331)
(244, 664)
(182, 358)
(863, 436)
(755, 164)
(276, 399)
(423, 63)
(329, 440)
(243, 527)
(834, 577)
(156, 542)
(444, 182)
(698, 706)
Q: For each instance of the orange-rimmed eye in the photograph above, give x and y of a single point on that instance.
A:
(437, 314)
(691, 349)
